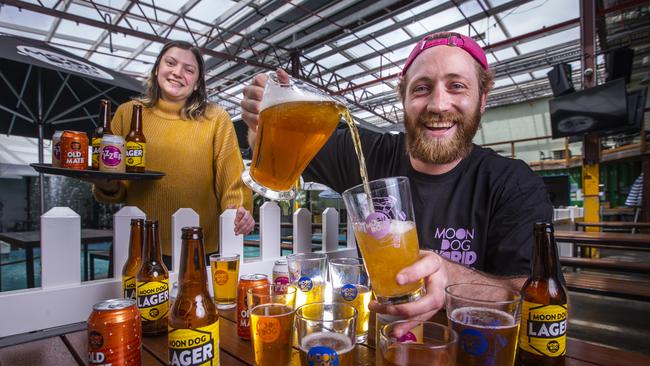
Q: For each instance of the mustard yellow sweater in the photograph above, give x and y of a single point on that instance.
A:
(202, 163)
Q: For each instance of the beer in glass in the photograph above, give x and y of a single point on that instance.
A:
(307, 274)
(225, 272)
(384, 225)
(486, 318)
(327, 334)
(271, 313)
(295, 121)
(350, 285)
(437, 347)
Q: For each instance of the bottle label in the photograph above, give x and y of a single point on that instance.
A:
(153, 299)
(135, 153)
(128, 287)
(96, 142)
(199, 346)
(543, 329)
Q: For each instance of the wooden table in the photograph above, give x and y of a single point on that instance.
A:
(605, 240)
(29, 240)
(620, 225)
(71, 349)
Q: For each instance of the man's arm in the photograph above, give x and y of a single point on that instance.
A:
(438, 273)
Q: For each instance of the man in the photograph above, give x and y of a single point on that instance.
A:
(474, 208)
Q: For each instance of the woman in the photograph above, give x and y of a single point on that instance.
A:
(189, 139)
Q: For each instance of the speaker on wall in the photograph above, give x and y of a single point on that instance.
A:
(618, 64)
(560, 79)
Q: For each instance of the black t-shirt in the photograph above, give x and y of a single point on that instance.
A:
(480, 214)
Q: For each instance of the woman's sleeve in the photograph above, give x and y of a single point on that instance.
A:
(121, 114)
(229, 165)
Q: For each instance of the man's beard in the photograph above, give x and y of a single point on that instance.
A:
(441, 150)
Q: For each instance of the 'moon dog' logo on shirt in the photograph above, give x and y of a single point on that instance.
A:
(456, 244)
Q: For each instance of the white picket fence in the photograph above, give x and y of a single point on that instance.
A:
(64, 299)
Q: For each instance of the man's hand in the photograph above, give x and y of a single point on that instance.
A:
(253, 93)
(430, 267)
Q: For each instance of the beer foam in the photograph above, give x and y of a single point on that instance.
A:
(482, 317)
(401, 227)
(276, 94)
(336, 341)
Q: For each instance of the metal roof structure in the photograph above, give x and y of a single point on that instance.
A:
(353, 48)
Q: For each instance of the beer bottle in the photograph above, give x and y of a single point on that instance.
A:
(135, 143)
(542, 337)
(193, 319)
(152, 283)
(132, 264)
(103, 128)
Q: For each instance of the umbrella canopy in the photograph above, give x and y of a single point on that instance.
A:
(43, 89)
(43, 85)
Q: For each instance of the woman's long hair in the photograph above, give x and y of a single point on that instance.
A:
(196, 103)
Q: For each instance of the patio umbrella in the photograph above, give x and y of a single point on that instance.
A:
(43, 89)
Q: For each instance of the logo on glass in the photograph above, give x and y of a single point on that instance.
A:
(322, 356)
(305, 284)
(349, 292)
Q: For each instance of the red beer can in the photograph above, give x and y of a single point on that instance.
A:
(74, 150)
(243, 318)
(115, 333)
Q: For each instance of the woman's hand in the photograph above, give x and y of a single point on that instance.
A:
(244, 221)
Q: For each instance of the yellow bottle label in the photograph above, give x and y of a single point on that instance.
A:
(128, 287)
(96, 142)
(543, 329)
(194, 347)
(153, 299)
(135, 153)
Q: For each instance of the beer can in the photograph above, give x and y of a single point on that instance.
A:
(243, 317)
(111, 154)
(281, 272)
(56, 149)
(115, 333)
(74, 150)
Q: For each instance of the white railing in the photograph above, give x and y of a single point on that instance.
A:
(64, 299)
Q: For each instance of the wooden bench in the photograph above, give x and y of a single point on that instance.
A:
(604, 284)
(607, 264)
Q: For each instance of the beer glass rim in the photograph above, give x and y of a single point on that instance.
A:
(223, 256)
(358, 262)
(390, 182)
(306, 256)
(515, 296)
(289, 309)
(249, 291)
(441, 344)
(300, 310)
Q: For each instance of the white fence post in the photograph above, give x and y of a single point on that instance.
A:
(228, 241)
(302, 231)
(122, 236)
(330, 230)
(181, 218)
(60, 247)
(270, 231)
(349, 234)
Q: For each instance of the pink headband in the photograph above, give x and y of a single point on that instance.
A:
(453, 40)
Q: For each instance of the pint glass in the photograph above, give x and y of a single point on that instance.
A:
(437, 347)
(294, 122)
(385, 230)
(307, 274)
(326, 334)
(272, 310)
(225, 272)
(350, 285)
(486, 319)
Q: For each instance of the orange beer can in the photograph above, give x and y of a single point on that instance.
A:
(74, 150)
(115, 333)
(243, 317)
